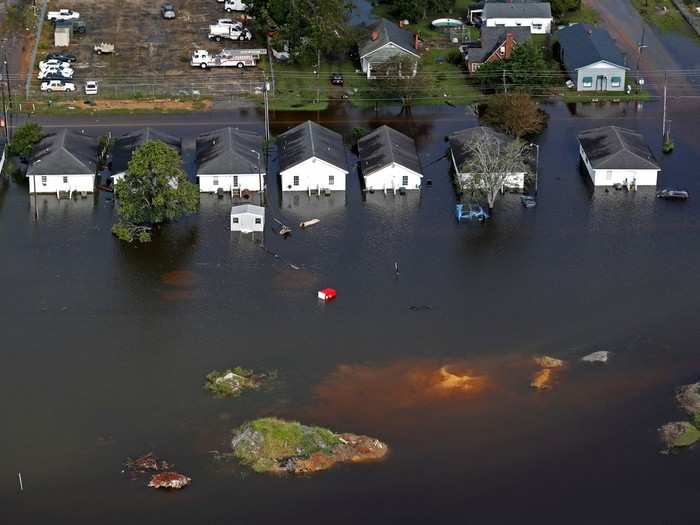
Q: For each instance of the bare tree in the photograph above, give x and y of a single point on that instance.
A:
(490, 162)
(398, 78)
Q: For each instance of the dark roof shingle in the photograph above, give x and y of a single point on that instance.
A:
(309, 140)
(492, 37)
(64, 153)
(229, 151)
(386, 32)
(616, 148)
(385, 146)
(583, 44)
(517, 10)
(125, 146)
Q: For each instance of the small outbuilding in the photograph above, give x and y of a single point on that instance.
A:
(459, 153)
(384, 42)
(230, 159)
(125, 145)
(63, 161)
(312, 158)
(614, 155)
(389, 160)
(591, 58)
(247, 218)
(62, 33)
(536, 16)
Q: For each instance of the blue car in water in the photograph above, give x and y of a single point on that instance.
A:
(471, 212)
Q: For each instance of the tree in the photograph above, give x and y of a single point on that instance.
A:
(526, 68)
(154, 190)
(490, 161)
(24, 138)
(515, 114)
(397, 78)
(561, 7)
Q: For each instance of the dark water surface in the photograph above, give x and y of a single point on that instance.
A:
(105, 346)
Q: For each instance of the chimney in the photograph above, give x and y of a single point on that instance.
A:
(374, 35)
(416, 41)
(509, 45)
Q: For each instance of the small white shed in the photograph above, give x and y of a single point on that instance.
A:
(62, 33)
(247, 218)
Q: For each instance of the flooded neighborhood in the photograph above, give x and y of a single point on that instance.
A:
(395, 279)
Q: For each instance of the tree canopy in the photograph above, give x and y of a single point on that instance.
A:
(396, 78)
(561, 7)
(24, 138)
(515, 114)
(154, 190)
(526, 68)
(415, 11)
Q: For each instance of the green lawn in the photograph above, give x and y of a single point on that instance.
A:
(663, 14)
(585, 14)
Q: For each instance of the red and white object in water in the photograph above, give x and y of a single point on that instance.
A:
(327, 294)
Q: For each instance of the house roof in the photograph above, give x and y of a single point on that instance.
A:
(616, 148)
(310, 140)
(584, 44)
(384, 147)
(229, 151)
(247, 208)
(517, 10)
(492, 37)
(124, 146)
(460, 139)
(64, 153)
(386, 32)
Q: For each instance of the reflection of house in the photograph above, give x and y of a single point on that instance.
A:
(389, 160)
(385, 42)
(614, 155)
(537, 16)
(497, 43)
(230, 159)
(591, 58)
(312, 158)
(247, 218)
(63, 161)
(459, 153)
(125, 146)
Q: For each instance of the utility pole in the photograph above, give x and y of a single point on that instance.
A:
(663, 125)
(505, 86)
(640, 47)
(267, 110)
(9, 102)
(4, 109)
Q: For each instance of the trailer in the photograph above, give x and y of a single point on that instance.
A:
(226, 58)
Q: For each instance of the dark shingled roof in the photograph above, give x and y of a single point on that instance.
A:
(229, 151)
(387, 32)
(459, 140)
(615, 148)
(385, 146)
(583, 44)
(309, 140)
(125, 146)
(492, 37)
(64, 153)
(517, 10)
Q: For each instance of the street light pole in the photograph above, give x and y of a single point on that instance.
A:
(537, 164)
(260, 185)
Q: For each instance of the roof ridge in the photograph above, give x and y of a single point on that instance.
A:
(311, 138)
(63, 147)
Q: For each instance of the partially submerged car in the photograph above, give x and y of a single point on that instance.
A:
(337, 79)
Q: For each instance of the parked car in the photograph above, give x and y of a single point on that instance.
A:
(53, 71)
(53, 63)
(57, 85)
(79, 27)
(63, 57)
(337, 79)
(91, 87)
(234, 5)
(63, 14)
(167, 11)
(103, 47)
(231, 23)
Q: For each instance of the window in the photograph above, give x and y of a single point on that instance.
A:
(235, 181)
(216, 181)
(235, 220)
(331, 180)
(536, 26)
(587, 82)
(258, 220)
(65, 180)
(616, 82)
(608, 175)
(404, 180)
(295, 181)
(43, 180)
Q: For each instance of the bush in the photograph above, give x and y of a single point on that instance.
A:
(24, 139)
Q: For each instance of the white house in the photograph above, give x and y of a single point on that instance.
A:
(385, 42)
(247, 218)
(459, 154)
(64, 161)
(230, 159)
(389, 161)
(614, 155)
(312, 158)
(125, 145)
(535, 15)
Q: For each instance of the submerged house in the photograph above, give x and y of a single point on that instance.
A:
(389, 160)
(536, 16)
(125, 145)
(312, 158)
(230, 159)
(385, 42)
(614, 155)
(63, 161)
(247, 218)
(459, 153)
(496, 44)
(591, 58)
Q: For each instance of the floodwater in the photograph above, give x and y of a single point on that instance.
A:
(105, 346)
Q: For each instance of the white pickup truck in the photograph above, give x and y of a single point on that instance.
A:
(226, 58)
(63, 14)
(234, 5)
(220, 32)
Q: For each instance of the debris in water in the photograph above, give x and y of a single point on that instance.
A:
(310, 222)
(420, 308)
(688, 397)
(169, 480)
(232, 382)
(678, 434)
(146, 463)
(549, 362)
(596, 357)
(327, 294)
(541, 380)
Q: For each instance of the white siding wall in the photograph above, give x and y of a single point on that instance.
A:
(610, 177)
(313, 173)
(55, 183)
(546, 24)
(393, 177)
(248, 181)
(246, 223)
(514, 181)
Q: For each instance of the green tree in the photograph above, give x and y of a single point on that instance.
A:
(515, 114)
(154, 190)
(396, 78)
(526, 68)
(24, 138)
(561, 7)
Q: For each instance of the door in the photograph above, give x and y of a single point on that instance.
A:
(601, 83)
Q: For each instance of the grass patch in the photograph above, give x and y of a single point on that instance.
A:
(663, 15)
(231, 382)
(584, 15)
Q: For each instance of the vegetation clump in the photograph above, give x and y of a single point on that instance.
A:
(516, 114)
(232, 382)
(678, 434)
(24, 138)
(277, 446)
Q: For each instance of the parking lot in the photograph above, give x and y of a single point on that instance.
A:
(152, 54)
